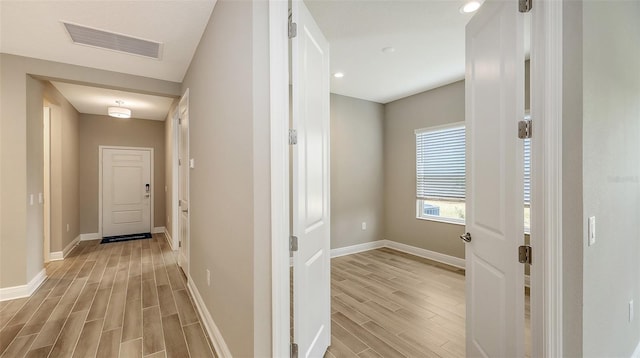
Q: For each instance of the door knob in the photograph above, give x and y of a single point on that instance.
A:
(466, 237)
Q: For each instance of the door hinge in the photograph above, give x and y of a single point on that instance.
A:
(293, 29)
(524, 254)
(294, 350)
(525, 5)
(524, 129)
(179, 243)
(293, 137)
(179, 121)
(293, 243)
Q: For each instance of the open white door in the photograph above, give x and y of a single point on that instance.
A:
(494, 210)
(183, 182)
(311, 225)
(126, 191)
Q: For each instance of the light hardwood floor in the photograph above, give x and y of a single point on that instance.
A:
(386, 303)
(125, 299)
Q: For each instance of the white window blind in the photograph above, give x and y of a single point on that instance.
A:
(440, 163)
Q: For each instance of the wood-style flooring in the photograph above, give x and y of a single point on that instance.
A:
(386, 303)
(126, 299)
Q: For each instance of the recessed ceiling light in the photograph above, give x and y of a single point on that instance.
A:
(389, 49)
(338, 75)
(470, 6)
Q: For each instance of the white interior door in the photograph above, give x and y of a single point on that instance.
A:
(311, 220)
(183, 182)
(495, 208)
(126, 191)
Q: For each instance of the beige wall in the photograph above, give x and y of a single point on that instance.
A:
(611, 167)
(21, 152)
(65, 172)
(98, 130)
(229, 186)
(402, 117)
(356, 171)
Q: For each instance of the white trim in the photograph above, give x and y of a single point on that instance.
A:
(175, 172)
(219, 345)
(158, 230)
(279, 123)
(152, 176)
(169, 239)
(354, 249)
(440, 127)
(12, 293)
(546, 178)
(427, 254)
(90, 236)
(636, 353)
(60, 255)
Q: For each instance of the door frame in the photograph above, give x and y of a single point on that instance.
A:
(184, 103)
(101, 148)
(46, 192)
(175, 173)
(546, 230)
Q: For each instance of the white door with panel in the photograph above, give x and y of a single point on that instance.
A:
(183, 182)
(311, 210)
(495, 206)
(126, 191)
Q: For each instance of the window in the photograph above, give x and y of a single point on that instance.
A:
(440, 173)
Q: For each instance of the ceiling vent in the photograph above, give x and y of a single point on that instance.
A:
(111, 41)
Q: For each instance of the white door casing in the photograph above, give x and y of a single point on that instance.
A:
(311, 210)
(494, 211)
(127, 191)
(183, 182)
(46, 136)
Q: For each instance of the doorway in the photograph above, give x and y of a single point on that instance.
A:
(184, 165)
(125, 187)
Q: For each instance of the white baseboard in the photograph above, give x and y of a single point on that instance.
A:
(12, 293)
(427, 254)
(354, 249)
(90, 236)
(60, 255)
(219, 345)
(169, 239)
(636, 353)
(158, 230)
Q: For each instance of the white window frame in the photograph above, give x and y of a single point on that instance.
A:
(420, 202)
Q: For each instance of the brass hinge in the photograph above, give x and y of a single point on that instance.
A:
(179, 243)
(524, 254)
(293, 243)
(524, 129)
(525, 5)
(294, 350)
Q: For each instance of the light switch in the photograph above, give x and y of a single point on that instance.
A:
(592, 230)
(192, 163)
(364, 225)
(40, 198)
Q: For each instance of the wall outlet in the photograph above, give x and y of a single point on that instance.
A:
(67, 227)
(192, 163)
(364, 225)
(40, 198)
(208, 277)
(592, 230)
(631, 311)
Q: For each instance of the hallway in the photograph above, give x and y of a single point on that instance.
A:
(126, 299)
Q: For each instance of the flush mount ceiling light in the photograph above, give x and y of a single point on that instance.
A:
(119, 112)
(338, 75)
(470, 6)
